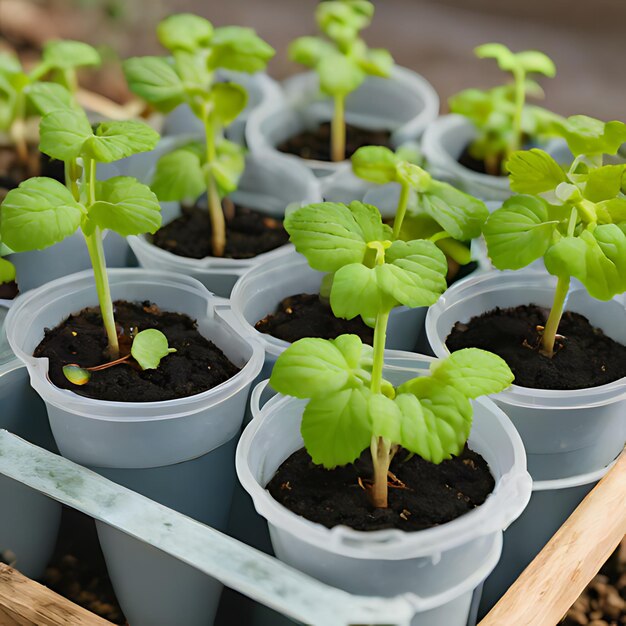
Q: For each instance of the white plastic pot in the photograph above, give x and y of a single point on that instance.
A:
(440, 567)
(565, 432)
(262, 90)
(405, 104)
(551, 503)
(269, 184)
(259, 291)
(29, 522)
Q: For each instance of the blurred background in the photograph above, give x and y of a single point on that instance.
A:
(586, 38)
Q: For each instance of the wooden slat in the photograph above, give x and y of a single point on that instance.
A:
(559, 573)
(24, 602)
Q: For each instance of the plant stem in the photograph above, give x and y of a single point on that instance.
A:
(96, 254)
(18, 129)
(216, 213)
(338, 131)
(552, 325)
(520, 96)
(71, 178)
(405, 191)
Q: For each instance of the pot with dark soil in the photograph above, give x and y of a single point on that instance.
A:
(471, 146)
(365, 99)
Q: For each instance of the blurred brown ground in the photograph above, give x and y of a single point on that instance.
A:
(587, 39)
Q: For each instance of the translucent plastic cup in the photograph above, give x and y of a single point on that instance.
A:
(565, 432)
(403, 104)
(440, 567)
(269, 184)
(29, 522)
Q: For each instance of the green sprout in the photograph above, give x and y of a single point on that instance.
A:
(427, 208)
(343, 60)
(574, 219)
(149, 347)
(42, 211)
(24, 94)
(189, 76)
(501, 115)
(351, 406)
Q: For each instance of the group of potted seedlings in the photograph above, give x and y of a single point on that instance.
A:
(379, 472)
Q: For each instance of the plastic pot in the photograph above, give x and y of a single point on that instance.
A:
(29, 523)
(439, 567)
(551, 503)
(565, 432)
(262, 90)
(269, 184)
(403, 104)
(153, 447)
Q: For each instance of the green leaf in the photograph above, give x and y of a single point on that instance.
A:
(184, 31)
(9, 63)
(228, 101)
(149, 347)
(63, 133)
(312, 367)
(377, 62)
(342, 20)
(534, 172)
(331, 235)
(49, 97)
(444, 424)
(386, 417)
(586, 135)
(76, 374)
(64, 54)
(228, 166)
(126, 206)
(414, 176)
(499, 52)
(239, 49)
(462, 216)
(38, 214)
(179, 176)
(519, 233)
(473, 372)
(339, 75)
(310, 51)
(536, 62)
(155, 80)
(113, 141)
(604, 183)
(611, 211)
(336, 427)
(7, 271)
(376, 164)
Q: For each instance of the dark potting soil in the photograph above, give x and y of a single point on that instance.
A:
(197, 364)
(585, 357)
(315, 144)
(248, 234)
(425, 494)
(9, 290)
(476, 165)
(12, 173)
(305, 315)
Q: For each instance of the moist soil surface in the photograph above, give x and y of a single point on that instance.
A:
(585, 357)
(305, 315)
(12, 173)
(476, 165)
(315, 144)
(248, 234)
(197, 364)
(425, 494)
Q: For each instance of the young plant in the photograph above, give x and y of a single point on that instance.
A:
(189, 76)
(42, 211)
(427, 208)
(351, 406)
(343, 60)
(149, 347)
(500, 114)
(574, 219)
(24, 94)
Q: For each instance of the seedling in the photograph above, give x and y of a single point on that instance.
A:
(351, 406)
(500, 114)
(342, 60)
(574, 219)
(42, 211)
(189, 76)
(149, 347)
(427, 208)
(24, 94)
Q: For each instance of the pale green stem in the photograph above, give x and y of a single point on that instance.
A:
(338, 130)
(96, 254)
(71, 178)
(520, 97)
(18, 129)
(216, 213)
(405, 192)
(552, 325)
